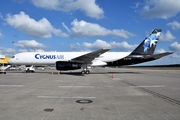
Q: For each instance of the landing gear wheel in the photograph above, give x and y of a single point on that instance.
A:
(87, 72)
(83, 72)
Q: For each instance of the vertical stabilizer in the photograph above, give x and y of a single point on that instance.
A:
(148, 45)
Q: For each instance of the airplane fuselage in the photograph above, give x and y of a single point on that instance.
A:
(50, 58)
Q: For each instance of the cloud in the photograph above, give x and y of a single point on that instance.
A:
(174, 25)
(122, 46)
(167, 36)
(31, 50)
(86, 29)
(160, 50)
(159, 8)
(37, 29)
(98, 44)
(7, 51)
(89, 7)
(63, 24)
(136, 5)
(23, 50)
(44, 29)
(32, 45)
(176, 56)
(175, 46)
(75, 47)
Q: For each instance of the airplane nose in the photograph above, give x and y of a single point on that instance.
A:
(10, 61)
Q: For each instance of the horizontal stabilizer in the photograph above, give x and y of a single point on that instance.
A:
(157, 56)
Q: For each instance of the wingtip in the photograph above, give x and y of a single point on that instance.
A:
(171, 52)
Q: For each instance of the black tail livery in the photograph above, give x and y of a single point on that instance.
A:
(143, 53)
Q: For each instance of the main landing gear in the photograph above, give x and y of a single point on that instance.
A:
(85, 72)
(85, 69)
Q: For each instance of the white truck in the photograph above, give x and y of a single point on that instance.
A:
(30, 69)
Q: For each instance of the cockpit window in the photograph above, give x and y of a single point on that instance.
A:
(13, 57)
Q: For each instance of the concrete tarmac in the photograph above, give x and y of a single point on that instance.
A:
(105, 94)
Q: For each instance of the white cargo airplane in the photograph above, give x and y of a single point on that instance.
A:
(85, 60)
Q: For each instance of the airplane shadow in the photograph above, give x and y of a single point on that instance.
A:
(94, 73)
(72, 73)
(124, 73)
(79, 73)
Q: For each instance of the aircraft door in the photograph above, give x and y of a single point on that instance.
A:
(17, 57)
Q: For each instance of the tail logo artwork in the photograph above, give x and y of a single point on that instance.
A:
(151, 41)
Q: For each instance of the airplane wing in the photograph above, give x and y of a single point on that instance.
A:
(87, 58)
(157, 56)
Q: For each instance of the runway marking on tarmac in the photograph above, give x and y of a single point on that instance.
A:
(76, 86)
(116, 79)
(79, 97)
(11, 85)
(153, 86)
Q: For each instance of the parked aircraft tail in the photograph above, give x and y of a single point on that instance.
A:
(143, 53)
(148, 45)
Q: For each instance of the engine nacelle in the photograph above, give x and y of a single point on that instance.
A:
(65, 65)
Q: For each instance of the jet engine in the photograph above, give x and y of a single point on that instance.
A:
(65, 65)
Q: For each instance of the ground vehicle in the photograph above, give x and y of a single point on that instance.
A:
(30, 69)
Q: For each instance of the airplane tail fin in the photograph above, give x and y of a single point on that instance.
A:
(148, 45)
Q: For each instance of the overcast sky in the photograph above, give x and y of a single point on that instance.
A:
(88, 25)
